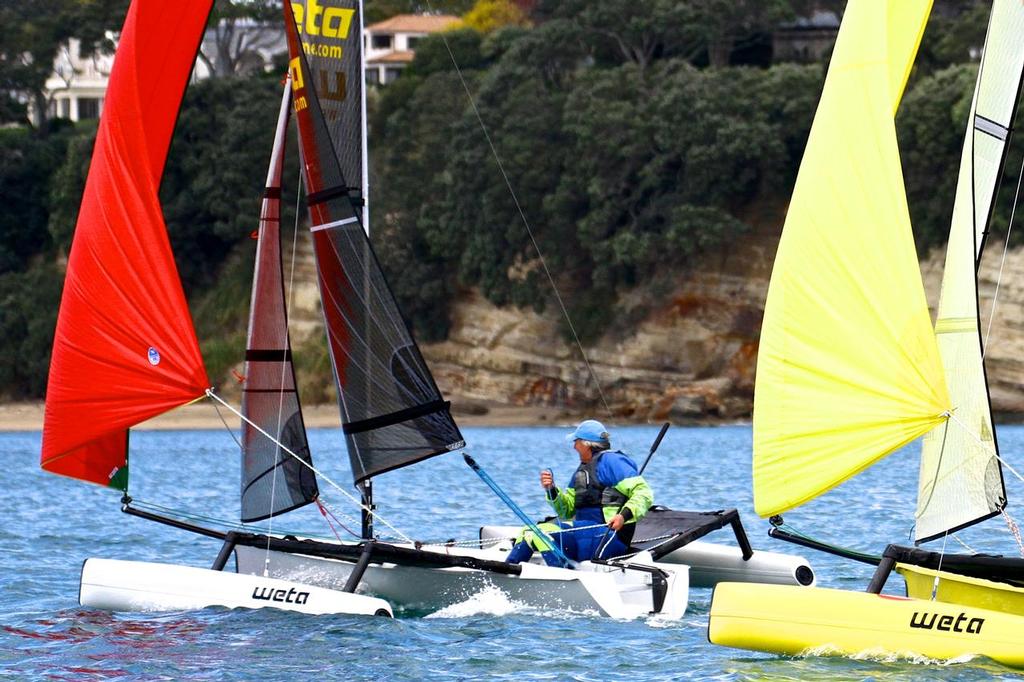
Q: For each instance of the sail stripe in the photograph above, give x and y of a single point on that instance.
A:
(996, 130)
(336, 223)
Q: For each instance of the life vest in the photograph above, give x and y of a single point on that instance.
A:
(590, 492)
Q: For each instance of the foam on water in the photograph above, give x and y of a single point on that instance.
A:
(490, 601)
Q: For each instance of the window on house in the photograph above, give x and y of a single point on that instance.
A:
(381, 42)
(411, 41)
(372, 76)
(88, 108)
(391, 73)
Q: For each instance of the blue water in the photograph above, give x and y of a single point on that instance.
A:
(50, 525)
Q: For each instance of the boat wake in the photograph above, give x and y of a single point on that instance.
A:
(888, 656)
(490, 601)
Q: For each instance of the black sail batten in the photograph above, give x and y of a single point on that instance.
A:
(268, 354)
(396, 417)
(379, 369)
(273, 480)
(326, 195)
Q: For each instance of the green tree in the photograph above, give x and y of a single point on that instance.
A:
(954, 37)
(931, 124)
(644, 31)
(215, 170)
(27, 164)
(379, 10)
(67, 185)
(28, 315)
(238, 32)
(35, 31)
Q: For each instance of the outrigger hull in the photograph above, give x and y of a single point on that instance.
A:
(607, 590)
(711, 564)
(818, 621)
(116, 585)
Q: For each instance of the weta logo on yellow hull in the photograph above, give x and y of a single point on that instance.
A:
(314, 19)
(933, 621)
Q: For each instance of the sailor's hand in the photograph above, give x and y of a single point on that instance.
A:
(617, 522)
(547, 481)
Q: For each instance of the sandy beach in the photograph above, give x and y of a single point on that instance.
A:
(28, 416)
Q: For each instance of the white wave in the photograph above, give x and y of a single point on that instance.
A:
(490, 601)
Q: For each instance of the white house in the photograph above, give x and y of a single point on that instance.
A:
(390, 45)
(78, 84)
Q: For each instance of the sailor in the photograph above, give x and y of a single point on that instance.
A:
(598, 510)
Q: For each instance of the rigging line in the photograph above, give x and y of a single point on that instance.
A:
(982, 444)
(285, 342)
(964, 544)
(522, 215)
(1002, 263)
(938, 468)
(1014, 530)
(210, 393)
(938, 571)
(228, 428)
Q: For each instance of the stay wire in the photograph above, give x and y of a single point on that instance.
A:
(213, 395)
(1002, 263)
(522, 216)
(980, 442)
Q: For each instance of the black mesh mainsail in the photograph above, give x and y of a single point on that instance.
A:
(392, 411)
(273, 481)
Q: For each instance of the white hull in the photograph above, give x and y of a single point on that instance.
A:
(711, 564)
(595, 588)
(143, 586)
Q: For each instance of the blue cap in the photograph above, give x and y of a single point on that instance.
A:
(591, 430)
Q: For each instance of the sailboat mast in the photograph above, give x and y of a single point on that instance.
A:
(366, 487)
(363, 131)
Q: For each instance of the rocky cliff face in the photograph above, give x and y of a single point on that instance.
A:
(694, 357)
(691, 359)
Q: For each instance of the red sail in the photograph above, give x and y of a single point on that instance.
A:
(125, 349)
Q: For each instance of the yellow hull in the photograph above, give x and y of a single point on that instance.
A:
(810, 620)
(962, 590)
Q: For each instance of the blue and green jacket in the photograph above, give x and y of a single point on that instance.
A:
(597, 501)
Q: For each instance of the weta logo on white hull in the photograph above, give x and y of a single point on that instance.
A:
(291, 596)
(933, 621)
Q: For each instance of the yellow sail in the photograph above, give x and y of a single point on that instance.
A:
(848, 368)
